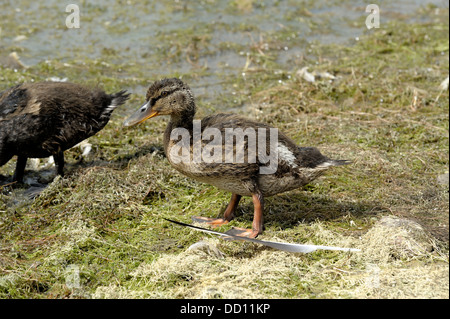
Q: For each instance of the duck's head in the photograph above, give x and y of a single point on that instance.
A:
(165, 97)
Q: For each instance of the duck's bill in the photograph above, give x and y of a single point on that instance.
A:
(145, 112)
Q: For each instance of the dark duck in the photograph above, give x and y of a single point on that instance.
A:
(294, 166)
(44, 119)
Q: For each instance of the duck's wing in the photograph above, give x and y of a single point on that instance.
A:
(290, 157)
(27, 131)
(78, 111)
(241, 146)
(238, 139)
(209, 155)
(13, 101)
(259, 142)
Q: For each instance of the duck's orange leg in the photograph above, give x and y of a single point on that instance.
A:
(257, 225)
(227, 216)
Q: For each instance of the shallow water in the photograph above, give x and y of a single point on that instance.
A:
(152, 33)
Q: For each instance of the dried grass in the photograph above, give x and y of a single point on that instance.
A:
(385, 268)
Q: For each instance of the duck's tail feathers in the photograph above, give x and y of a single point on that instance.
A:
(331, 162)
(119, 98)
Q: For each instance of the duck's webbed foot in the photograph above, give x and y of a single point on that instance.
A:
(227, 216)
(214, 222)
(257, 225)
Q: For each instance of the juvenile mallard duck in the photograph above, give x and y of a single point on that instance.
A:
(265, 162)
(44, 119)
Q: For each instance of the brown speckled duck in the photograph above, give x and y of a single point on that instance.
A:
(44, 119)
(294, 166)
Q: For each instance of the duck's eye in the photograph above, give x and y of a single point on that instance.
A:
(164, 93)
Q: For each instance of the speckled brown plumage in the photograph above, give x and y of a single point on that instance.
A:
(296, 166)
(44, 119)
